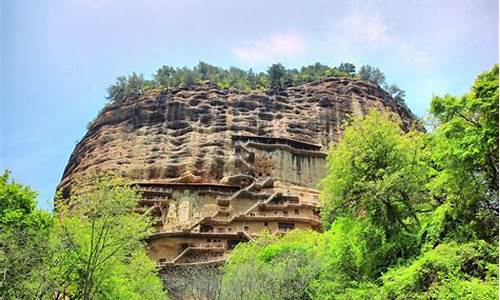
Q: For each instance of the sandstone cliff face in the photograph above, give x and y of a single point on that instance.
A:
(216, 167)
(184, 135)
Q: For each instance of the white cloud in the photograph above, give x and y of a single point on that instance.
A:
(271, 48)
(413, 55)
(365, 28)
(362, 31)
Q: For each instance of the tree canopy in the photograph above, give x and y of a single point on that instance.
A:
(274, 80)
(23, 232)
(377, 171)
(93, 249)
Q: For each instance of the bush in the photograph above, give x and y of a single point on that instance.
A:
(272, 267)
(126, 87)
(450, 271)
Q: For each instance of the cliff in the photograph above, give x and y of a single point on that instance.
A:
(217, 167)
(184, 135)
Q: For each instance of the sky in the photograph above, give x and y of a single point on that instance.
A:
(58, 57)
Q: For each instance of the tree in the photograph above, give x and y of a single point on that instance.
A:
(369, 73)
(189, 79)
(465, 156)
(308, 265)
(347, 68)
(351, 256)
(23, 244)
(310, 73)
(164, 75)
(396, 92)
(97, 246)
(272, 267)
(376, 184)
(277, 77)
(193, 281)
(377, 172)
(449, 271)
(252, 80)
(126, 87)
(471, 124)
(203, 69)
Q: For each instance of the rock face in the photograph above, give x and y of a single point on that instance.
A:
(216, 167)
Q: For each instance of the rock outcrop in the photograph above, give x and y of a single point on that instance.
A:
(217, 167)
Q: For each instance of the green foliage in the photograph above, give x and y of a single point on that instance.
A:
(344, 261)
(312, 73)
(369, 73)
(450, 271)
(466, 145)
(465, 157)
(377, 172)
(275, 79)
(94, 249)
(448, 223)
(272, 268)
(396, 92)
(347, 68)
(373, 74)
(127, 87)
(23, 231)
(134, 279)
(351, 255)
(17, 203)
(97, 246)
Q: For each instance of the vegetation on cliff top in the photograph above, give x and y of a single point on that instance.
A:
(275, 79)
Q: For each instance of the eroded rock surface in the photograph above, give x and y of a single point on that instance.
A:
(185, 135)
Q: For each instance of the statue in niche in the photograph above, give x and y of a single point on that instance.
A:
(172, 213)
(184, 211)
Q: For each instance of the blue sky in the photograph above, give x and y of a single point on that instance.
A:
(58, 57)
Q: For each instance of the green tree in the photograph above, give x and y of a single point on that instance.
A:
(347, 68)
(23, 243)
(164, 76)
(277, 75)
(449, 271)
(204, 70)
(376, 183)
(127, 87)
(272, 267)
(252, 79)
(310, 73)
(352, 255)
(470, 124)
(97, 246)
(465, 156)
(396, 92)
(377, 172)
(189, 79)
(369, 73)
(275, 79)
